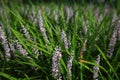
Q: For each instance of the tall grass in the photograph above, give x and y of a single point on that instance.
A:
(59, 42)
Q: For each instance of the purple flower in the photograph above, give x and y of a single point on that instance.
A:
(55, 63)
(69, 63)
(64, 39)
(96, 68)
(41, 26)
(4, 42)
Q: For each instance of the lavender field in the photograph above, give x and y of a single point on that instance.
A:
(59, 40)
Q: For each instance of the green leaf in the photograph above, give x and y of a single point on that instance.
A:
(7, 76)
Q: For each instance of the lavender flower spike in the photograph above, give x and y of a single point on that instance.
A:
(41, 26)
(55, 63)
(69, 63)
(112, 44)
(26, 32)
(4, 42)
(96, 68)
(69, 13)
(21, 49)
(64, 38)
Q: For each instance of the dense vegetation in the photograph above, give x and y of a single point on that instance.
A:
(41, 40)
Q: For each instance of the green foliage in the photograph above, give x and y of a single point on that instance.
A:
(35, 66)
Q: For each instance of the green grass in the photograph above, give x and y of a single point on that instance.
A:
(37, 63)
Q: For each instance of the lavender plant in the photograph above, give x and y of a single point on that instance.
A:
(96, 69)
(4, 42)
(69, 64)
(112, 44)
(56, 62)
(41, 26)
(31, 33)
